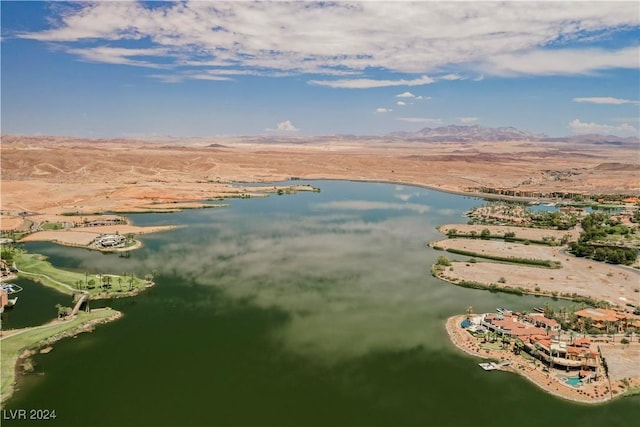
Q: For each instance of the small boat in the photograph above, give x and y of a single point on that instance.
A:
(503, 310)
(539, 309)
(11, 302)
(488, 366)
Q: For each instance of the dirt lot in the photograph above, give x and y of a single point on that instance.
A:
(616, 284)
(623, 360)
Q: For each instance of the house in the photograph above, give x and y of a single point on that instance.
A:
(541, 321)
(603, 318)
(110, 240)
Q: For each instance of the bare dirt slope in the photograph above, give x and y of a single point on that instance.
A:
(55, 174)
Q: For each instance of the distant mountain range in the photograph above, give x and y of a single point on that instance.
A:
(461, 133)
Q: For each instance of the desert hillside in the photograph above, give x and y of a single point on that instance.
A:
(56, 174)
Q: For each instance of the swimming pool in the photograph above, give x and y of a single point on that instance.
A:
(573, 381)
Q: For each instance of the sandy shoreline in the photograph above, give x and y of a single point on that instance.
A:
(587, 394)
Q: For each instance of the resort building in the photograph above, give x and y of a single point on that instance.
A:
(110, 240)
(561, 354)
(604, 319)
(508, 324)
(539, 336)
(539, 320)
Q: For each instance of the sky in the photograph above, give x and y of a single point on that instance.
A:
(204, 68)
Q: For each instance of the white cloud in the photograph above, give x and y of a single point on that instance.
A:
(605, 100)
(341, 38)
(419, 120)
(118, 55)
(410, 95)
(285, 126)
(580, 127)
(468, 119)
(401, 103)
(383, 110)
(370, 83)
(561, 61)
(452, 76)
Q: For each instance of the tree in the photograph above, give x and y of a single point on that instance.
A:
(91, 284)
(548, 311)
(443, 260)
(63, 311)
(469, 311)
(485, 233)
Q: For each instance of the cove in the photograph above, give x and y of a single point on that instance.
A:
(313, 309)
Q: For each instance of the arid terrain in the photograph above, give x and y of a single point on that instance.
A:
(52, 175)
(615, 284)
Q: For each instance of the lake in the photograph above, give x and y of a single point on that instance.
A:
(313, 309)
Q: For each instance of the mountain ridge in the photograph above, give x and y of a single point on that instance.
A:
(468, 133)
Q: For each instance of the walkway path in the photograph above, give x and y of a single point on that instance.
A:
(73, 290)
(29, 329)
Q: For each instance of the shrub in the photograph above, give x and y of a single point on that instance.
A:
(443, 260)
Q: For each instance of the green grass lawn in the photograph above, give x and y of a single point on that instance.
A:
(11, 347)
(52, 226)
(491, 345)
(36, 267)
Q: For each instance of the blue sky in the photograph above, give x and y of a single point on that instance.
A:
(134, 69)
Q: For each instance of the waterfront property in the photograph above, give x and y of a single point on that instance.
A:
(111, 241)
(605, 320)
(540, 338)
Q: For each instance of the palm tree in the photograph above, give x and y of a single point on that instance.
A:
(120, 283)
(469, 311)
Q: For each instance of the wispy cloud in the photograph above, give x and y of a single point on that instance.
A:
(371, 83)
(401, 103)
(339, 38)
(119, 55)
(605, 100)
(581, 127)
(383, 110)
(559, 62)
(468, 119)
(452, 76)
